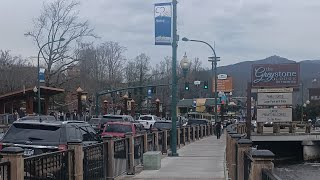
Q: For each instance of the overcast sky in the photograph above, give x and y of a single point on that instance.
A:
(242, 29)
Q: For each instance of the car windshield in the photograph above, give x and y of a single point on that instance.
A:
(94, 121)
(146, 118)
(106, 119)
(118, 128)
(20, 133)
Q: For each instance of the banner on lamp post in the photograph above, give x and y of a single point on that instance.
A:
(41, 75)
(163, 20)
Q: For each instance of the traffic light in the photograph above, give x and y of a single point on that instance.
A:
(186, 86)
(205, 85)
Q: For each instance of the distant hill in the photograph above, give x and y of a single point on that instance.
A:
(241, 73)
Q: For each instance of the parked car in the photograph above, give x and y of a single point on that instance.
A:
(119, 129)
(161, 125)
(148, 120)
(95, 123)
(37, 137)
(38, 118)
(113, 118)
(198, 122)
(268, 124)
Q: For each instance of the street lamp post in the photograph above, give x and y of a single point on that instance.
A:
(214, 60)
(40, 50)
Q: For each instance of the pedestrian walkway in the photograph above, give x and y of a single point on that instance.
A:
(203, 160)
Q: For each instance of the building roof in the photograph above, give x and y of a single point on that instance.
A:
(44, 90)
(185, 103)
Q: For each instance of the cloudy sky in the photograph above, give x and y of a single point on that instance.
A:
(241, 29)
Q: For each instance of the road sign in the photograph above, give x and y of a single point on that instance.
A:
(274, 115)
(272, 99)
(225, 85)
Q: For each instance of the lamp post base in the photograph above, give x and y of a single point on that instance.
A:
(173, 154)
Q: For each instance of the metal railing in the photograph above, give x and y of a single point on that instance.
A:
(160, 141)
(56, 165)
(150, 139)
(5, 171)
(268, 175)
(246, 165)
(120, 156)
(94, 162)
(138, 150)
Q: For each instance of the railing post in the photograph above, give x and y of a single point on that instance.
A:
(276, 128)
(197, 132)
(110, 163)
(244, 145)
(178, 137)
(201, 131)
(189, 140)
(156, 139)
(262, 159)
(165, 141)
(130, 167)
(205, 130)
(14, 156)
(292, 127)
(193, 133)
(260, 127)
(145, 142)
(183, 136)
(77, 147)
(308, 128)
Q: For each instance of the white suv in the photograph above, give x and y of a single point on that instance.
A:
(147, 121)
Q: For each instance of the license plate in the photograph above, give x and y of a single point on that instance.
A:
(28, 152)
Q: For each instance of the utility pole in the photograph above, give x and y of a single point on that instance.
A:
(174, 80)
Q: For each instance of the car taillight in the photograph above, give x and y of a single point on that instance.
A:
(62, 147)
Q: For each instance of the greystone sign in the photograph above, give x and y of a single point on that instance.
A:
(275, 75)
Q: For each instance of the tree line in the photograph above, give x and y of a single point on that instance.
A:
(72, 58)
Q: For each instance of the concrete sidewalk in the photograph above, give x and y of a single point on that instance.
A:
(203, 159)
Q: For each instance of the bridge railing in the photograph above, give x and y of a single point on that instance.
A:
(269, 175)
(106, 160)
(245, 162)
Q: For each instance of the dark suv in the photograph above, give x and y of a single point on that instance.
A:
(37, 137)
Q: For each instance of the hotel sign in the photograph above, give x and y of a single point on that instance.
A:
(274, 115)
(274, 99)
(275, 75)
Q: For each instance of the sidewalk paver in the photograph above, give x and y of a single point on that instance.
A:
(203, 159)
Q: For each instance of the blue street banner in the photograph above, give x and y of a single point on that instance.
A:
(163, 20)
(41, 75)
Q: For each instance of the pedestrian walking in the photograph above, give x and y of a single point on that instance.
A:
(218, 130)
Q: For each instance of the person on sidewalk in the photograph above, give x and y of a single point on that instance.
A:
(218, 129)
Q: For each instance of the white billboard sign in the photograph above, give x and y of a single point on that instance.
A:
(222, 76)
(276, 90)
(274, 115)
(273, 99)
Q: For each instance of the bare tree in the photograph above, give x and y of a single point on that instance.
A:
(58, 20)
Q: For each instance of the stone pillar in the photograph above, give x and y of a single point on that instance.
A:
(197, 132)
(130, 166)
(76, 145)
(244, 145)
(165, 141)
(292, 127)
(311, 150)
(14, 156)
(276, 128)
(110, 155)
(205, 130)
(262, 159)
(233, 155)
(260, 127)
(189, 134)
